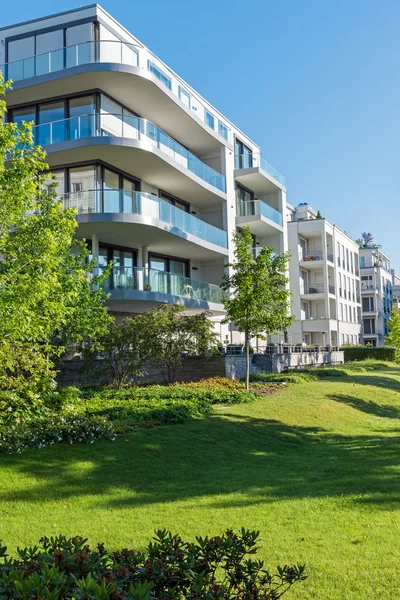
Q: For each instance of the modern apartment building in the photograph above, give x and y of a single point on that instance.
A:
(159, 177)
(376, 292)
(324, 279)
(396, 289)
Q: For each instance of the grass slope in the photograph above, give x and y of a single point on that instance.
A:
(315, 467)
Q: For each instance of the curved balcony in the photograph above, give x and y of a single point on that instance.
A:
(99, 56)
(106, 127)
(153, 286)
(148, 219)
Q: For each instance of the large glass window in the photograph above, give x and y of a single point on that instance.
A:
(27, 114)
(82, 121)
(244, 201)
(209, 119)
(79, 42)
(19, 49)
(52, 128)
(83, 186)
(21, 59)
(49, 52)
(174, 201)
(243, 156)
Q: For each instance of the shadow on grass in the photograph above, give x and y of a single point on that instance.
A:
(245, 461)
(367, 406)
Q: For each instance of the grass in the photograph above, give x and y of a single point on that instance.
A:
(315, 467)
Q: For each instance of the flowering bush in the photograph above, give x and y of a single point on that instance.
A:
(55, 429)
(220, 567)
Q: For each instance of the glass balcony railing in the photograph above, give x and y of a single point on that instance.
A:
(140, 203)
(125, 126)
(112, 51)
(254, 160)
(152, 280)
(258, 207)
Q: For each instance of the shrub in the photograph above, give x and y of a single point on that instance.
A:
(220, 567)
(292, 377)
(385, 353)
(57, 429)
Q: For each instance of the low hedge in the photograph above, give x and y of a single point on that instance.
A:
(386, 353)
(221, 567)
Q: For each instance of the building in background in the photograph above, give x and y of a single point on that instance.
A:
(376, 293)
(159, 177)
(396, 289)
(324, 280)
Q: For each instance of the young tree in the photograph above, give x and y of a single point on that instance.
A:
(259, 299)
(170, 334)
(46, 289)
(393, 338)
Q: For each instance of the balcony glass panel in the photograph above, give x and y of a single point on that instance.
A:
(140, 203)
(95, 125)
(152, 280)
(254, 160)
(88, 51)
(258, 207)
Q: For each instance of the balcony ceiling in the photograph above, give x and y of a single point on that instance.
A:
(135, 88)
(134, 232)
(259, 225)
(133, 301)
(140, 159)
(257, 180)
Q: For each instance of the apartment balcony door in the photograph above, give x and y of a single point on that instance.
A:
(167, 275)
(303, 282)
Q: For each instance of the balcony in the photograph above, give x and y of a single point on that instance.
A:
(315, 289)
(256, 173)
(262, 218)
(94, 61)
(153, 286)
(107, 128)
(147, 219)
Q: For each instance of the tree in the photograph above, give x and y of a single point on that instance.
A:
(259, 298)
(360, 242)
(319, 216)
(368, 239)
(393, 338)
(47, 289)
(170, 334)
(123, 351)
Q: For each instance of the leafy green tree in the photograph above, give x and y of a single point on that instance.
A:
(258, 303)
(122, 350)
(393, 338)
(47, 290)
(171, 334)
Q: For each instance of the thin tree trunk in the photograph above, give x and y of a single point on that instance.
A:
(246, 342)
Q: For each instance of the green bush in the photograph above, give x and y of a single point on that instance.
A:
(287, 377)
(220, 567)
(57, 429)
(385, 353)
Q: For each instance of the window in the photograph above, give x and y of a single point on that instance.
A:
(347, 259)
(338, 253)
(352, 262)
(345, 313)
(174, 201)
(184, 96)
(163, 77)
(243, 156)
(245, 205)
(27, 114)
(369, 326)
(343, 258)
(55, 133)
(341, 311)
(223, 130)
(354, 314)
(209, 118)
(362, 261)
(340, 285)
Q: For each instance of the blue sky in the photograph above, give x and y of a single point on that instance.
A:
(315, 83)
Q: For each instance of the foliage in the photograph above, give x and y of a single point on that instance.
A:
(45, 287)
(319, 216)
(258, 303)
(122, 350)
(367, 238)
(52, 429)
(170, 334)
(385, 353)
(393, 339)
(292, 377)
(149, 406)
(220, 567)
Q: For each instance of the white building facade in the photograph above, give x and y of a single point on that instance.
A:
(377, 294)
(159, 177)
(324, 280)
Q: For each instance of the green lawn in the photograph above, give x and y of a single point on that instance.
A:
(315, 467)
